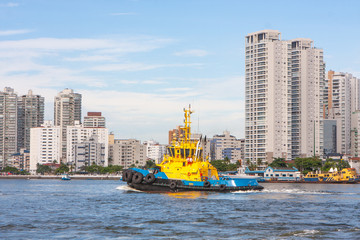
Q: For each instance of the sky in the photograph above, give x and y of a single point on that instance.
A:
(140, 62)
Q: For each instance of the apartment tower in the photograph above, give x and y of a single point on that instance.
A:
(67, 110)
(30, 115)
(8, 125)
(284, 93)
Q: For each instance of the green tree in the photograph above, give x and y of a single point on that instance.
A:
(62, 169)
(223, 166)
(12, 170)
(43, 169)
(309, 164)
(278, 163)
(342, 164)
(150, 164)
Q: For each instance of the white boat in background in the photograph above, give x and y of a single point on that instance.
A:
(65, 177)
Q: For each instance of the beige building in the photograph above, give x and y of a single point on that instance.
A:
(129, 152)
(94, 119)
(21, 160)
(67, 110)
(284, 88)
(342, 105)
(226, 146)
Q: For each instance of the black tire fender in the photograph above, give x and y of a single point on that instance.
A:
(137, 178)
(150, 178)
(207, 184)
(173, 185)
(128, 176)
(222, 187)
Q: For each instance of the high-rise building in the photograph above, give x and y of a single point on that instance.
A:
(88, 152)
(79, 134)
(8, 125)
(30, 115)
(67, 110)
(343, 100)
(45, 145)
(284, 93)
(225, 146)
(128, 152)
(155, 151)
(94, 119)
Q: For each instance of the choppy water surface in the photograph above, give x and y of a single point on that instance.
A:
(89, 209)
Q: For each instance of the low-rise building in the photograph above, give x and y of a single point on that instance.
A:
(355, 163)
(280, 174)
(21, 160)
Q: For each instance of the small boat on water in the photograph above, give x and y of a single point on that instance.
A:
(185, 169)
(65, 177)
(346, 175)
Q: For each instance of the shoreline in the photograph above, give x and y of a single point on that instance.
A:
(73, 177)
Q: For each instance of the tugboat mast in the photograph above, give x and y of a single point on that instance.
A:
(186, 128)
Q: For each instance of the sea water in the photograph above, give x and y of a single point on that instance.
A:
(91, 209)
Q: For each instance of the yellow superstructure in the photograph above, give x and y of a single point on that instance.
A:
(346, 174)
(184, 158)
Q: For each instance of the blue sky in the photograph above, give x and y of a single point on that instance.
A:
(141, 61)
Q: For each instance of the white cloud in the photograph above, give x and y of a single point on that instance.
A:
(138, 44)
(192, 53)
(139, 66)
(14, 32)
(94, 58)
(149, 115)
(10, 4)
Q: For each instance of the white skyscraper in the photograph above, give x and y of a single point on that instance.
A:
(284, 84)
(45, 145)
(67, 110)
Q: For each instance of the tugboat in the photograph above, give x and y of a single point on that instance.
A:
(185, 169)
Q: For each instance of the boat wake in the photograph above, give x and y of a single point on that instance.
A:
(288, 191)
(127, 188)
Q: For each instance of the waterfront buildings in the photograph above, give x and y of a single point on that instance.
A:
(280, 174)
(284, 97)
(342, 106)
(8, 125)
(21, 160)
(226, 146)
(94, 120)
(78, 134)
(30, 114)
(67, 110)
(45, 145)
(129, 152)
(155, 151)
(87, 153)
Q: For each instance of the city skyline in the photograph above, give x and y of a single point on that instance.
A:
(141, 62)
